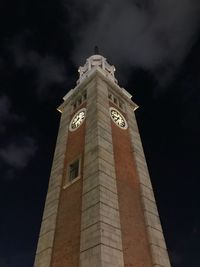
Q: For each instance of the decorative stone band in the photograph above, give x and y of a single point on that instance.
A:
(154, 229)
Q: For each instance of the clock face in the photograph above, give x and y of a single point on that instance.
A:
(78, 119)
(118, 118)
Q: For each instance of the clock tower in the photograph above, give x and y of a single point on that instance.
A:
(100, 209)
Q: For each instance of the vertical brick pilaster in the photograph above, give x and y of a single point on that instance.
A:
(101, 244)
(48, 226)
(153, 226)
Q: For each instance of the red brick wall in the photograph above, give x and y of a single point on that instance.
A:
(67, 236)
(134, 236)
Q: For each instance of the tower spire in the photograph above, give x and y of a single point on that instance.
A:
(96, 62)
(96, 50)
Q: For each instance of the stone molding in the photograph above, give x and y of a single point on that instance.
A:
(101, 243)
(48, 225)
(97, 72)
(153, 226)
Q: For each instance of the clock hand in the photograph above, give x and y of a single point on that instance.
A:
(76, 119)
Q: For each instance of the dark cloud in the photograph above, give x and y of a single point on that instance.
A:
(196, 231)
(3, 262)
(7, 116)
(4, 108)
(18, 153)
(176, 259)
(152, 34)
(9, 175)
(49, 70)
(1, 63)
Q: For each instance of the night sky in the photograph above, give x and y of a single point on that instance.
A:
(155, 47)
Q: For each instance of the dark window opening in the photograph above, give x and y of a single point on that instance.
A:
(74, 170)
(79, 101)
(84, 95)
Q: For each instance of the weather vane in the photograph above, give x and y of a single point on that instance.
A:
(96, 50)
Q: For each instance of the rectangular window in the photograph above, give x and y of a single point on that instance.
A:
(121, 105)
(79, 101)
(115, 100)
(84, 95)
(110, 96)
(74, 170)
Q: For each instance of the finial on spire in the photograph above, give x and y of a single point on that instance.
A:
(96, 50)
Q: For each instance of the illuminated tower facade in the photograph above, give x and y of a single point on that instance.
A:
(100, 209)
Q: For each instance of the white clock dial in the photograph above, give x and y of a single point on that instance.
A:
(118, 118)
(78, 119)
